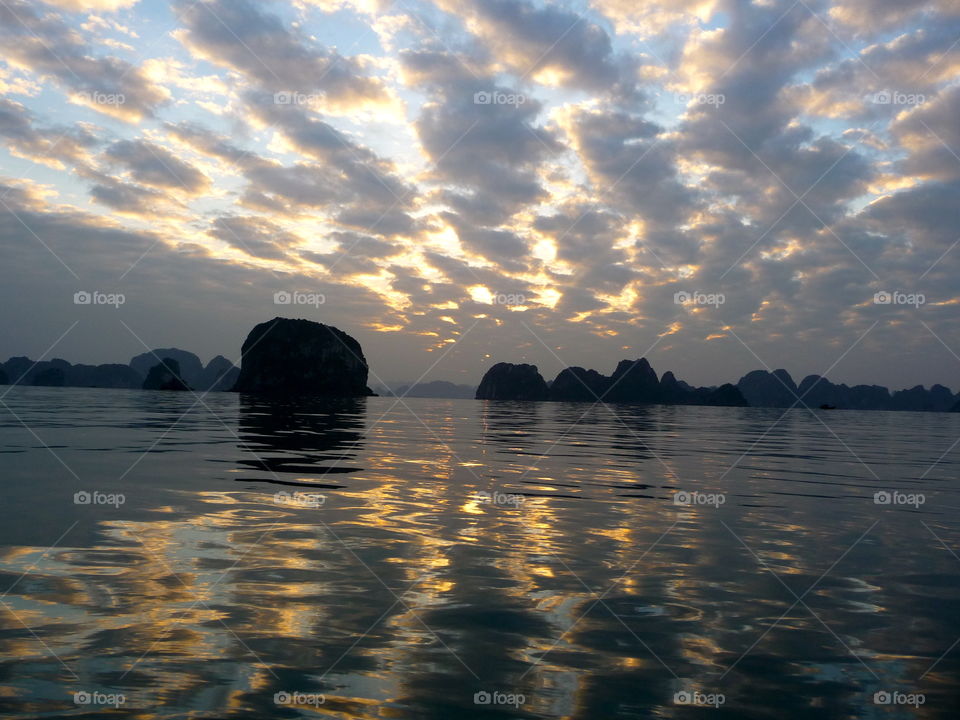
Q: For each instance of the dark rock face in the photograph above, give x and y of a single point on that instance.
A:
(817, 391)
(165, 375)
(576, 384)
(16, 368)
(766, 389)
(634, 381)
(726, 395)
(869, 397)
(936, 399)
(506, 381)
(190, 366)
(302, 357)
(220, 375)
(672, 391)
(50, 377)
(60, 373)
(4, 380)
(437, 389)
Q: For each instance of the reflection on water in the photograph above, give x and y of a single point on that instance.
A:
(533, 555)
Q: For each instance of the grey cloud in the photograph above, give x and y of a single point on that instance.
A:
(47, 45)
(42, 144)
(532, 39)
(238, 35)
(491, 152)
(255, 236)
(156, 166)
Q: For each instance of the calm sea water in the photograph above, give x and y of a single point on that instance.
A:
(164, 558)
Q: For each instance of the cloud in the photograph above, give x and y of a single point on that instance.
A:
(157, 167)
(93, 5)
(550, 44)
(929, 133)
(237, 35)
(255, 236)
(47, 45)
(48, 146)
(868, 17)
(490, 152)
(595, 158)
(129, 198)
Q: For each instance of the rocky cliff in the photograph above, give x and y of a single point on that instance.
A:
(302, 357)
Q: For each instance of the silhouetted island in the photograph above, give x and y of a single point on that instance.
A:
(165, 375)
(777, 389)
(219, 374)
(633, 381)
(506, 381)
(302, 357)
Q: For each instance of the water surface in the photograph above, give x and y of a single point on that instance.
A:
(382, 559)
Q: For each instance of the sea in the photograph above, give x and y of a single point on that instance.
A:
(177, 555)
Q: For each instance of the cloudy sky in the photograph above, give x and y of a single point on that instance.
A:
(718, 185)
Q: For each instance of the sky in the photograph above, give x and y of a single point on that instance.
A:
(716, 185)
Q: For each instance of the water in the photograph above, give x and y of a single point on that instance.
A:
(382, 585)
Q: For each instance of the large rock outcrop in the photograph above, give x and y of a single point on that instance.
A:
(634, 381)
(302, 357)
(220, 375)
(109, 375)
(60, 373)
(165, 375)
(576, 384)
(50, 377)
(507, 381)
(766, 389)
(936, 399)
(727, 395)
(191, 369)
(817, 390)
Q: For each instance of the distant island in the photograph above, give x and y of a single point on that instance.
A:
(305, 358)
(634, 381)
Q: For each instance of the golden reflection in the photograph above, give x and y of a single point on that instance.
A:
(471, 547)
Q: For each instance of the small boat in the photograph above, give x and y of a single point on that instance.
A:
(825, 406)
